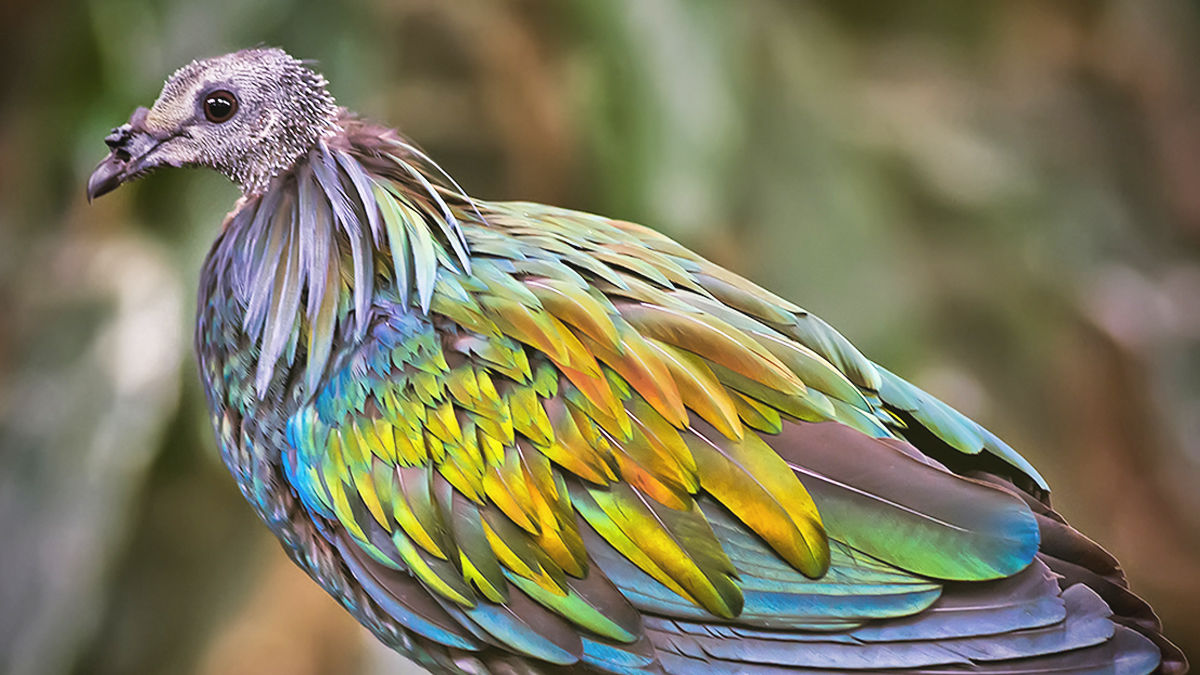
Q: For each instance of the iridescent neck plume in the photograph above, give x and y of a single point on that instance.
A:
(326, 232)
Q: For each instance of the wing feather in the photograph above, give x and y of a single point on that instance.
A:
(598, 447)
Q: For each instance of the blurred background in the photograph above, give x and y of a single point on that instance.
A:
(1000, 201)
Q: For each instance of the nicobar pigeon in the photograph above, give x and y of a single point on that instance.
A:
(514, 438)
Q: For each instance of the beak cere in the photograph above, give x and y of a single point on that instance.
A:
(129, 146)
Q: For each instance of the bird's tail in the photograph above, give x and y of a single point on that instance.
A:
(1081, 561)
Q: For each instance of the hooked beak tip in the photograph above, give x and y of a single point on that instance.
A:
(129, 146)
(106, 177)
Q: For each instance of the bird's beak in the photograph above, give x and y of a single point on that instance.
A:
(130, 146)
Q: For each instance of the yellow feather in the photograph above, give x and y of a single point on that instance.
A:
(509, 558)
(715, 340)
(699, 388)
(575, 306)
(508, 491)
(758, 486)
(453, 590)
(385, 440)
(364, 482)
(412, 525)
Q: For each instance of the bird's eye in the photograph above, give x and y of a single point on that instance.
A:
(219, 106)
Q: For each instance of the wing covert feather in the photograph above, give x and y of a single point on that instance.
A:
(598, 443)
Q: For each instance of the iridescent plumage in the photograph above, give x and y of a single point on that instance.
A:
(510, 436)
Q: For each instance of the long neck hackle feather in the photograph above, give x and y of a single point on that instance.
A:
(303, 258)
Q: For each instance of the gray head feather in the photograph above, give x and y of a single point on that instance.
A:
(283, 109)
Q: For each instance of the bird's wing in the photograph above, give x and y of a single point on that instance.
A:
(599, 447)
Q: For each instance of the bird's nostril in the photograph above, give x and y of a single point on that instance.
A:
(117, 137)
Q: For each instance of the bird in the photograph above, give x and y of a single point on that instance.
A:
(514, 438)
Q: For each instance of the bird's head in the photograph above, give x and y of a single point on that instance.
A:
(249, 115)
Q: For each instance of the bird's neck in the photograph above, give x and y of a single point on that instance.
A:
(356, 223)
(288, 131)
(257, 169)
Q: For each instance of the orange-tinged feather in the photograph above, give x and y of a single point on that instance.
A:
(465, 313)
(509, 557)
(758, 486)
(700, 389)
(577, 454)
(528, 326)
(643, 369)
(596, 390)
(644, 461)
(648, 481)
(662, 434)
(575, 306)
(714, 340)
(569, 459)
(665, 266)
(578, 357)
(561, 546)
(502, 489)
